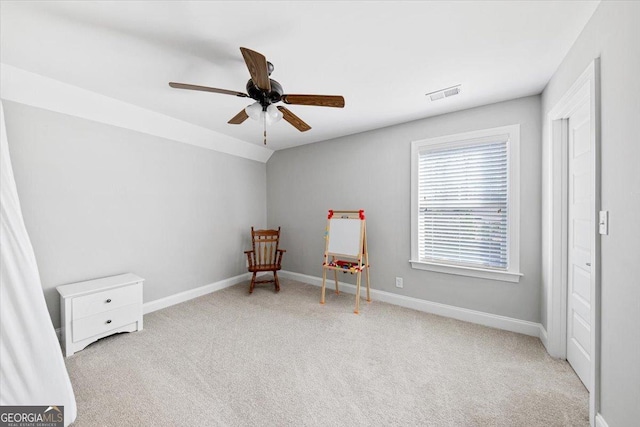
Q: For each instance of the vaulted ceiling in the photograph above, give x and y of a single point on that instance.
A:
(383, 57)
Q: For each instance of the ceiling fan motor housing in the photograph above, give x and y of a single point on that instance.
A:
(263, 97)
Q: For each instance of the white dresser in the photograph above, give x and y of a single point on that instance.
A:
(97, 308)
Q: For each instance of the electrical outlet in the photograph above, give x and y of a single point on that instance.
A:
(399, 283)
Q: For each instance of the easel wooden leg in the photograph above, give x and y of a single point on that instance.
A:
(357, 310)
(253, 283)
(368, 287)
(324, 279)
(335, 276)
(277, 282)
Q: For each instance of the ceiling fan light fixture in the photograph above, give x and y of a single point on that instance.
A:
(254, 110)
(270, 116)
(273, 114)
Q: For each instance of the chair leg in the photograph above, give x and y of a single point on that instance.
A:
(253, 283)
(277, 282)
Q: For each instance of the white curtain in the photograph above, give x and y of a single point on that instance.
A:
(32, 370)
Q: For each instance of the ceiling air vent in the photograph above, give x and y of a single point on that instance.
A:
(444, 93)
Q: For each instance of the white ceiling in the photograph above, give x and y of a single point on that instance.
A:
(381, 56)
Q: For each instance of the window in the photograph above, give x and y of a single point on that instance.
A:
(465, 204)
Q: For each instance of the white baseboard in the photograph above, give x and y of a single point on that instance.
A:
(464, 314)
(544, 337)
(165, 302)
(467, 315)
(600, 422)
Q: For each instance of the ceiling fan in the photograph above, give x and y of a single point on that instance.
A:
(267, 92)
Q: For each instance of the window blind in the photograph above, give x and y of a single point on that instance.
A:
(462, 202)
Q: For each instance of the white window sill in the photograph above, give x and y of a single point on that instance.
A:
(484, 273)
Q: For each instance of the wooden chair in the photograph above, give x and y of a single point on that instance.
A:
(265, 256)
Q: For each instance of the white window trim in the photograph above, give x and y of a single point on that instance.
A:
(512, 135)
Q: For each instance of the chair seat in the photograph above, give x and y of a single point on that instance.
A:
(266, 267)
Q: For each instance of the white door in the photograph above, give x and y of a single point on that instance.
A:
(579, 245)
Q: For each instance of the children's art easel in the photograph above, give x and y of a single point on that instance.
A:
(346, 249)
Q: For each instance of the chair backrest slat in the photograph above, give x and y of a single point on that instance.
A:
(265, 245)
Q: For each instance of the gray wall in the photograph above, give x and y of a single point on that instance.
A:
(100, 200)
(613, 34)
(371, 171)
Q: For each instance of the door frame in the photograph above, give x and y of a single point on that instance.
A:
(586, 89)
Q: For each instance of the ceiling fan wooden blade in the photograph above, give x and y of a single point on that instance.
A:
(207, 89)
(257, 65)
(239, 118)
(317, 100)
(295, 121)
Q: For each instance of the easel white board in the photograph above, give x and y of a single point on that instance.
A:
(345, 237)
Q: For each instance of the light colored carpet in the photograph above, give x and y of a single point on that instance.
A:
(234, 359)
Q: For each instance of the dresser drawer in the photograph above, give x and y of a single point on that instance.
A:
(104, 322)
(108, 300)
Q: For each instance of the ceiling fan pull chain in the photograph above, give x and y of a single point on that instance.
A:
(265, 127)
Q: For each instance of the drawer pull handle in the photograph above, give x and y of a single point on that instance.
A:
(109, 300)
(109, 321)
